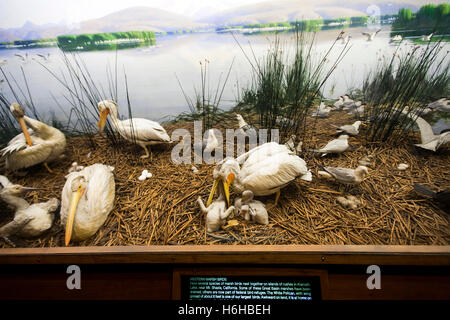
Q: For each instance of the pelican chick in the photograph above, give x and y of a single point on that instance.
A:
(337, 146)
(252, 209)
(345, 175)
(87, 200)
(42, 144)
(143, 132)
(29, 220)
(371, 36)
(216, 213)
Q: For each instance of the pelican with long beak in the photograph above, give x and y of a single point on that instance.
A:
(264, 170)
(40, 144)
(143, 132)
(87, 200)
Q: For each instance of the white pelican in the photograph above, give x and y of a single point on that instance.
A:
(140, 131)
(29, 220)
(338, 145)
(251, 209)
(42, 144)
(371, 36)
(345, 175)
(430, 141)
(264, 170)
(87, 199)
(350, 129)
(427, 37)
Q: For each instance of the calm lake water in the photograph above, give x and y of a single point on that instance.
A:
(151, 71)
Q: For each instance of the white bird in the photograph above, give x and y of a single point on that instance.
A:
(211, 142)
(345, 175)
(339, 103)
(371, 36)
(137, 130)
(322, 111)
(216, 212)
(251, 209)
(357, 110)
(338, 145)
(42, 144)
(264, 170)
(86, 201)
(349, 129)
(397, 37)
(243, 125)
(429, 140)
(427, 37)
(348, 103)
(3, 61)
(440, 105)
(29, 220)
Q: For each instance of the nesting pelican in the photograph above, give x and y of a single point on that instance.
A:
(42, 144)
(264, 170)
(430, 141)
(140, 131)
(29, 220)
(345, 175)
(371, 36)
(338, 145)
(350, 129)
(87, 199)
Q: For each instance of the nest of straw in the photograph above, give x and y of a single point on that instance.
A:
(162, 210)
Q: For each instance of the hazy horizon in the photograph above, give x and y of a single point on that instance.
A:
(14, 13)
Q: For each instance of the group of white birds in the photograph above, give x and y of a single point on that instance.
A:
(370, 36)
(88, 195)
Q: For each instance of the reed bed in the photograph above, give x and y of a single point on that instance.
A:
(162, 210)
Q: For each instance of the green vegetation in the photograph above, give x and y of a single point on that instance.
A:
(307, 25)
(412, 79)
(105, 41)
(283, 88)
(430, 16)
(38, 43)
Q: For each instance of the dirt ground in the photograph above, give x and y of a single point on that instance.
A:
(163, 209)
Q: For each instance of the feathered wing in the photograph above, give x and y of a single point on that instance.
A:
(336, 145)
(261, 153)
(143, 130)
(273, 173)
(426, 131)
(341, 174)
(19, 154)
(95, 205)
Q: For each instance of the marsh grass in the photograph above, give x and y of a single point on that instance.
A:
(412, 79)
(16, 93)
(284, 88)
(205, 105)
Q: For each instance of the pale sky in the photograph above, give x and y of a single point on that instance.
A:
(14, 13)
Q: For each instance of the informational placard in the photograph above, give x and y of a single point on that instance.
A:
(250, 288)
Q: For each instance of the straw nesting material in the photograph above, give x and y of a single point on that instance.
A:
(163, 210)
